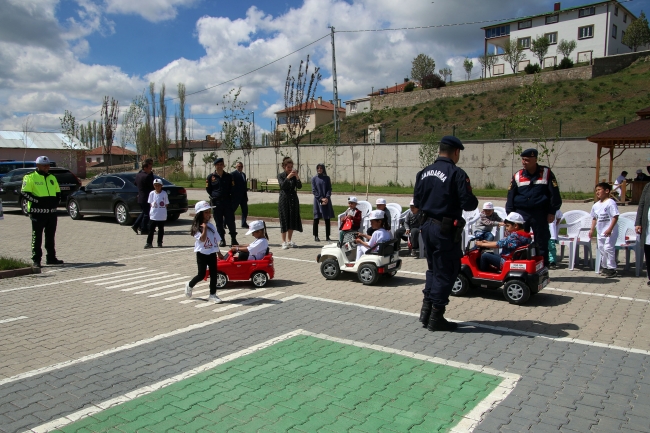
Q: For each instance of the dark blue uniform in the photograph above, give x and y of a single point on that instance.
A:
(535, 196)
(219, 188)
(442, 191)
(240, 195)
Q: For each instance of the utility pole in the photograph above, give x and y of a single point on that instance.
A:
(337, 130)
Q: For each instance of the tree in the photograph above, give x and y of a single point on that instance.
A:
(26, 127)
(153, 143)
(235, 119)
(110, 116)
(513, 53)
(638, 33)
(132, 121)
(445, 72)
(428, 150)
(539, 47)
(70, 128)
(566, 47)
(208, 160)
(191, 164)
(484, 60)
(299, 95)
(162, 126)
(468, 65)
(182, 120)
(422, 66)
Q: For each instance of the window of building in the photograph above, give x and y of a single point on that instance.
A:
(525, 24)
(614, 31)
(498, 69)
(625, 18)
(497, 32)
(552, 37)
(616, 10)
(586, 32)
(587, 12)
(89, 160)
(353, 107)
(98, 159)
(552, 19)
(524, 42)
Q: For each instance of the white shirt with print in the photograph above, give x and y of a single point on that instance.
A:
(257, 250)
(211, 243)
(603, 212)
(158, 204)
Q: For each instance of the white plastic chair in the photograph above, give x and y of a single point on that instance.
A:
(571, 239)
(627, 240)
(628, 215)
(395, 213)
(400, 221)
(500, 231)
(470, 219)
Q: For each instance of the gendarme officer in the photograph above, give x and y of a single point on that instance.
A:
(534, 194)
(219, 186)
(442, 192)
(41, 189)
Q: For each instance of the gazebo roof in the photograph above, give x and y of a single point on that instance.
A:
(636, 133)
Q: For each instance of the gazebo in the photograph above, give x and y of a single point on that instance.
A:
(634, 135)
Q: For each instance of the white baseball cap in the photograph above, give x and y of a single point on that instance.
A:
(380, 201)
(43, 160)
(255, 226)
(412, 203)
(514, 217)
(376, 215)
(352, 200)
(202, 206)
(488, 205)
(158, 181)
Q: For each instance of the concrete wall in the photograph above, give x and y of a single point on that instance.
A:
(609, 65)
(398, 100)
(485, 162)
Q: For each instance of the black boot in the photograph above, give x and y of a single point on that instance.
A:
(233, 240)
(437, 321)
(425, 313)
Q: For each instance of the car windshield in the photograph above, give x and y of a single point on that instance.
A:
(130, 178)
(64, 176)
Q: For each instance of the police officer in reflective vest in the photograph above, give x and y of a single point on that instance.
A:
(42, 192)
(442, 192)
(534, 194)
(219, 186)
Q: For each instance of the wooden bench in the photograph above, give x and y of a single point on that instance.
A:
(270, 182)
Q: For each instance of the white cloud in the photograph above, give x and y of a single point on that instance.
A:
(151, 10)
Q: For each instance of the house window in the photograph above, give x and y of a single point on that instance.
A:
(552, 38)
(498, 69)
(524, 42)
(98, 159)
(586, 32)
(525, 24)
(552, 19)
(353, 107)
(282, 120)
(89, 160)
(625, 18)
(616, 10)
(497, 32)
(614, 31)
(587, 12)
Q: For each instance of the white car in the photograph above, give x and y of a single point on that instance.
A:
(372, 265)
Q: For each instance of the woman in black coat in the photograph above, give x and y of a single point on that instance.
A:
(321, 186)
(641, 224)
(288, 204)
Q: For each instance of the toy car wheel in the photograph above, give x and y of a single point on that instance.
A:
(461, 286)
(221, 279)
(516, 292)
(368, 274)
(330, 269)
(259, 279)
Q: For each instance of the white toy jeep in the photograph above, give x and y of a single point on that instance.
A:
(334, 259)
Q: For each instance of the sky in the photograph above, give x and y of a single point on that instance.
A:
(58, 55)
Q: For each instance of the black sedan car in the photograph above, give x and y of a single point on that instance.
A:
(116, 194)
(11, 185)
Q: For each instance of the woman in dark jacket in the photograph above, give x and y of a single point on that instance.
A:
(288, 204)
(641, 224)
(321, 186)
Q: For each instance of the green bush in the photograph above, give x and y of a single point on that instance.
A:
(532, 69)
(180, 176)
(565, 63)
(409, 86)
(9, 263)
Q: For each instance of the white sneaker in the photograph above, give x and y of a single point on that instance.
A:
(215, 299)
(188, 290)
(285, 245)
(292, 244)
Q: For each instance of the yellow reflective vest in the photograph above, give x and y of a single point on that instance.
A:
(41, 191)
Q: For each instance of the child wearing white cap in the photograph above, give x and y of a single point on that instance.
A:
(411, 229)
(487, 221)
(350, 222)
(159, 200)
(381, 205)
(257, 249)
(517, 237)
(379, 234)
(206, 247)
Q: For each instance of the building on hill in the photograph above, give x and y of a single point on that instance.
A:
(317, 112)
(356, 106)
(397, 88)
(210, 143)
(117, 156)
(597, 29)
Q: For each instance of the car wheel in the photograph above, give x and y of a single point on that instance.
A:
(461, 286)
(122, 214)
(221, 279)
(259, 279)
(330, 269)
(23, 206)
(173, 217)
(516, 292)
(368, 274)
(73, 210)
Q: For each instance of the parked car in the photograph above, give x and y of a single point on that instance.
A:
(116, 194)
(12, 183)
(8, 165)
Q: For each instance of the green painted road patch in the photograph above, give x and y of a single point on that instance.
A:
(306, 384)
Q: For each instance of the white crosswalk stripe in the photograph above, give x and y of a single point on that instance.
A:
(247, 302)
(167, 279)
(116, 277)
(175, 290)
(237, 296)
(155, 289)
(189, 301)
(144, 279)
(129, 278)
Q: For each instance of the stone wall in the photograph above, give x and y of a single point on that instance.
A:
(611, 64)
(484, 161)
(398, 100)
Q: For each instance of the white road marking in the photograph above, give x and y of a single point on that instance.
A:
(194, 292)
(295, 260)
(173, 291)
(155, 289)
(600, 295)
(13, 319)
(412, 273)
(247, 302)
(166, 278)
(237, 296)
(66, 281)
(130, 280)
(117, 277)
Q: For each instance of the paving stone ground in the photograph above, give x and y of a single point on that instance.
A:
(114, 322)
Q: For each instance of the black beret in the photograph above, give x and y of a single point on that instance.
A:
(218, 160)
(531, 153)
(452, 141)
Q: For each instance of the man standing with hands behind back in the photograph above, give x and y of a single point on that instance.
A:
(219, 186)
(144, 182)
(240, 192)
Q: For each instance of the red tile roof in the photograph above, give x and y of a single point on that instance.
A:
(395, 89)
(115, 150)
(313, 105)
(644, 112)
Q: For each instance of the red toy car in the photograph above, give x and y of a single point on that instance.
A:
(522, 275)
(233, 269)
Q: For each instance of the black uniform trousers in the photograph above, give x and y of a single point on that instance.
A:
(538, 221)
(224, 216)
(40, 223)
(443, 259)
(244, 209)
(142, 221)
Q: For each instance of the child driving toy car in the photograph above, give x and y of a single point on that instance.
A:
(379, 234)
(256, 250)
(516, 238)
(350, 222)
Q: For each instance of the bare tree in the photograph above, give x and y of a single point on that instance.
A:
(132, 121)
(235, 121)
(182, 120)
(513, 53)
(28, 124)
(445, 72)
(298, 102)
(468, 65)
(487, 61)
(163, 139)
(153, 130)
(276, 141)
(70, 128)
(110, 117)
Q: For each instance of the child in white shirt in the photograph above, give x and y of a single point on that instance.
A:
(206, 247)
(552, 249)
(605, 216)
(257, 249)
(159, 200)
(378, 235)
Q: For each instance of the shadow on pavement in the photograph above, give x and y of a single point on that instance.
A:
(534, 326)
(586, 280)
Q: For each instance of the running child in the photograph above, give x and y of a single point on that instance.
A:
(605, 217)
(159, 200)
(257, 249)
(206, 247)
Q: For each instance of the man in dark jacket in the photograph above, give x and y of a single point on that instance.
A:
(240, 193)
(144, 182)
(534, 194)
(219, 186)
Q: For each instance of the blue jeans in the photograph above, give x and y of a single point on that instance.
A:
(483, 236)
(488, 260)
